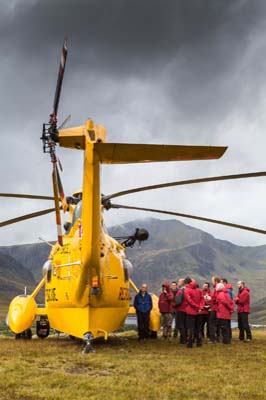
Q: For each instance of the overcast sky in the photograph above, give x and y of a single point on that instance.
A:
(173, 72)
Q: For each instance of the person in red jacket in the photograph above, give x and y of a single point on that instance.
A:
(214, 328)
(165, 307)
(224, 309)
(243, 309)
(194, 304)
(205, 313)
(229, 289)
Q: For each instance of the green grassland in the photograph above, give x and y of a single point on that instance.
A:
(124, 369)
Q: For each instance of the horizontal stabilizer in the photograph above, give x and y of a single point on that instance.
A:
(124, 153)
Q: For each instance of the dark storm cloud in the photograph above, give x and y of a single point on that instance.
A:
(192, 50)
(127, 35)
(187, 72)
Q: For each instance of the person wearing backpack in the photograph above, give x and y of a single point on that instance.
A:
(229, 289)
(181, 311)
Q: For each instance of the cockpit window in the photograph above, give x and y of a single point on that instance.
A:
(105, 228)
(77, 212)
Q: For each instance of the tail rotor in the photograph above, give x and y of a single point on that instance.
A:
(50, 138)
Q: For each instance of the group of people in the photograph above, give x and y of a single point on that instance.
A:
(193, 313)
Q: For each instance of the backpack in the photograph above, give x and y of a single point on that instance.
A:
(179, 298)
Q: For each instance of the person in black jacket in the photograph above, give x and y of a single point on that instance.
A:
(143, 306)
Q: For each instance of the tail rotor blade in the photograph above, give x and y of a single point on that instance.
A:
(59, 80)
(60, 165)
(57, 208)
(64, 122)
(50, 131)
(61, 190)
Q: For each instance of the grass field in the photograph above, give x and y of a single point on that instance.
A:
(123, 368)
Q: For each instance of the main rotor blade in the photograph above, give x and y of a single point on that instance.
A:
(187, 182)
(214, 221)
(26, 216)
(26, 196)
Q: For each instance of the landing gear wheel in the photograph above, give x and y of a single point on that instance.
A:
(88, 337)
(42, 328)
(153, 335)
(88, 349)
(27, 334)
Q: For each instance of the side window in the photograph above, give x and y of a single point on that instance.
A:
(47, 270)
(77, 212)
(128, 269)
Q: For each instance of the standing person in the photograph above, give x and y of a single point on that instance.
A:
(225, 307)
(143, 306)
(173, 290)
(243, 309)
(229, 289)
(181, 311)
(194, 304)
(205, 313)
(165, 307)
(214, 329)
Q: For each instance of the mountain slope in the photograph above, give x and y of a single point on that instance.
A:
(13, 277)
(173, 250)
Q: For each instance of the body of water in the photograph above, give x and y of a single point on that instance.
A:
(132, 320)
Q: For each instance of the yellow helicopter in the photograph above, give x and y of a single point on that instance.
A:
(87, 277)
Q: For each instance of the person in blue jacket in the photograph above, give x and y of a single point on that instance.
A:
(143, 306)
